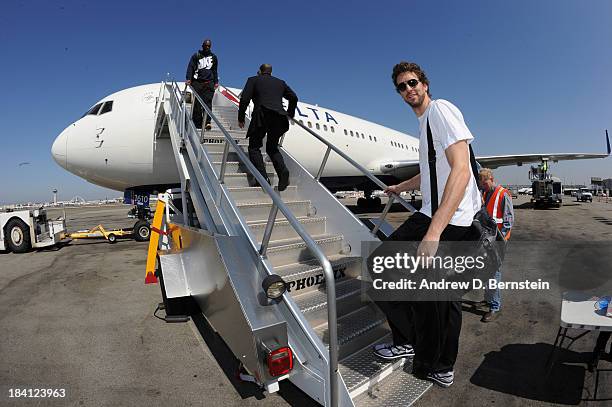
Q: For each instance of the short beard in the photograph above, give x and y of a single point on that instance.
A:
(418, 103)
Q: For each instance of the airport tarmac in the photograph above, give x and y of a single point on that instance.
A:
(81, 319)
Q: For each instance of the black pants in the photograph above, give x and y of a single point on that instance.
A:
(206, 90)
(432, 327)
(274, 125)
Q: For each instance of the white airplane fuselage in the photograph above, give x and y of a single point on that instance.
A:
(115, 147)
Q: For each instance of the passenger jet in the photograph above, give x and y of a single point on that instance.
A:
(113, 145)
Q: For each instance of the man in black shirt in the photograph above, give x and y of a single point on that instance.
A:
(268, 117)
(202, 75)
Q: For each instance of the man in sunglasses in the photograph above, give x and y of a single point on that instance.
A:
(430, 330)
(202, 76)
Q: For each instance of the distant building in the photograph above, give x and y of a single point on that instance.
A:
(596, 185)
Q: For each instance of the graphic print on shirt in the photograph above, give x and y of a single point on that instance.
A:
(205, 63)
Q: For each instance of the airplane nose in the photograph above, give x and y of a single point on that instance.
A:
(58, 149)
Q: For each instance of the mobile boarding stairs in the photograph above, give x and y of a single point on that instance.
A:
(231, 237)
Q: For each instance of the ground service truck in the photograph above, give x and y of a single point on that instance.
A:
(23, 230)
(546, 190)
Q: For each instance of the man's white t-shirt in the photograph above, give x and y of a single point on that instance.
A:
(447, 128)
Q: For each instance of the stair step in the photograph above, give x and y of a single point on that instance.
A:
(362, 369)
(219, 146)
(346, 286)
(314, 303)
(229, 113)
(357, 329)
(260, 211)
(308, 276)
(239, 179)
(283, 230)
(231, 128)
(400, 389)
(297, 251)
(256, 194)
(238, 167)
(218, 155)
(217, 136)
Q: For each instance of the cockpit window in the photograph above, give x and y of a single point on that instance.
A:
(108, 106)
(93, 110)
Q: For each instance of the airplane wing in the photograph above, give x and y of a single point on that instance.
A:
(496, 161)
(409, 168)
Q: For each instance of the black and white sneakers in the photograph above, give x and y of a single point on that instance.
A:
(389, 351)
(443, 379)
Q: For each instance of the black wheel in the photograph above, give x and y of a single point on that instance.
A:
(376, 202)
(362, 203)
(112, 238)
(18, 236)
(142, 231)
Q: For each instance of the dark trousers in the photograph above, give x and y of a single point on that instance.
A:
(206, 90)
(432, 327)
(273, 125)
(602, 340)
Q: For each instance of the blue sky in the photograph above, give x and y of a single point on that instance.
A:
(529, 76)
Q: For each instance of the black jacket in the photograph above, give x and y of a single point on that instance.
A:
(267, 91)
(203, 67)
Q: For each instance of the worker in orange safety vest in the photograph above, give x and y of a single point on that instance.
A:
(498, 202)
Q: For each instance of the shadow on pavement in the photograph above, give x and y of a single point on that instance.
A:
(229, 364)
(225, 358)
(525, 205)
(520, 370)
(57, 247)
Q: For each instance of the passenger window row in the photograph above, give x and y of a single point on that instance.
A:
(317, 126)
(404, 146)
(357, 134)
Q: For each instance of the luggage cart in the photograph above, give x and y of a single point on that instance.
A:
(99, 232)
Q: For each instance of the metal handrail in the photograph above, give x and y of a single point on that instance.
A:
(312, 246)
(178, 116)
(355, 164)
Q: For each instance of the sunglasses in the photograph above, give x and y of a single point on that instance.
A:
(401, 87)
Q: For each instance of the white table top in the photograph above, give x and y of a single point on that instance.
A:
(578, 312)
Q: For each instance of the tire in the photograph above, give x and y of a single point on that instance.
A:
(362, 203)
(112, 238)
(376, 202)
(142, 231)
(18, 236)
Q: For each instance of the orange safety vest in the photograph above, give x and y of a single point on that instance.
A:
(495, 209)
